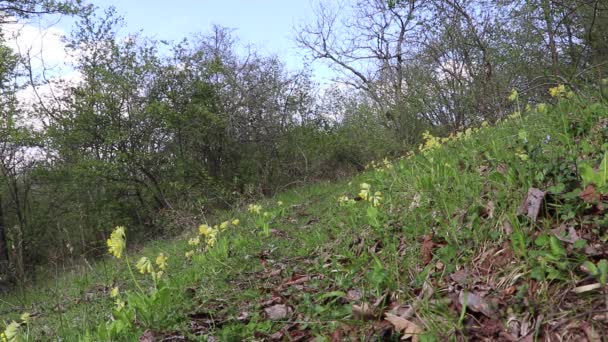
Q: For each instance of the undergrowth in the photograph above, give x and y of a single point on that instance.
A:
(496, 232)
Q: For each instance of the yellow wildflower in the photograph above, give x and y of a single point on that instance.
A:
(144, 265)
(25, 317)
(204, 229)
(189, 254)
(3, 337)
(224, 225)
(157, 275)
(119, 304)
(514, 95)
(364, 194)
(557, 91)
(376, 198)
(541, 107)
(194, 241)
(114, 293)
(280, 203)
(254, 208)
(12, 331)
(161, 261)
(236, 222)
(116, 242)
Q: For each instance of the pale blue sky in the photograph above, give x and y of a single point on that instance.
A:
(267, 24)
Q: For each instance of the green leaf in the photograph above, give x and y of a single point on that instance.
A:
(587, 174)
(541, 240)
(579, 244)
(557, 248)
(602, 267)
(591, 268)
(331, 295)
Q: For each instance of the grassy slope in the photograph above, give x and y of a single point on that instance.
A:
(340, 268)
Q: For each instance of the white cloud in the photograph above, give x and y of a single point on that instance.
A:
(43, 45)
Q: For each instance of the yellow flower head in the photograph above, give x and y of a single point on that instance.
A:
(514, 95)
(236, 222)
(157, 275)
(224, 225)
(144, 265)
(364, 186)
(12, 331)
(116, 242)
(557, 91)
(194, 241)
(25, 317)
(280, 203)
(114, 293)
(254, 208)
(204, 229)
(376, 198)
(161, 261)
(541, 107)
(119, 304)
(189, 254)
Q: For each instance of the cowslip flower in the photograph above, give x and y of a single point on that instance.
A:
(116, 243)
(25, 317)
(204, 229)
(280, 203)
(254, 208)
(376, 198)
(236, 222)
(189, 254)
(514, 95)
(557, 91)
(119, 304)
(11, 332)
(144, 265)
(114, 293)
(224, 225)
(194, 241)
(161, 261)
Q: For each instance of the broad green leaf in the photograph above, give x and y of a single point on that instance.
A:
(602, 267)
(591, 268)
(557, 248)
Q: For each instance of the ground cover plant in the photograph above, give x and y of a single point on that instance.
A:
(494, 232)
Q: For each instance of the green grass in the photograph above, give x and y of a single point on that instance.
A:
(448, 224)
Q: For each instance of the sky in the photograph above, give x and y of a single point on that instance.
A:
(267, 24)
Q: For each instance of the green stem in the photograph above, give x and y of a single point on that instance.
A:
(133, 275)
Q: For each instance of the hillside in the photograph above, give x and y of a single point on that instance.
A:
(494, 233)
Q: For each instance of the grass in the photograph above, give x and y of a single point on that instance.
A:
(448, 252)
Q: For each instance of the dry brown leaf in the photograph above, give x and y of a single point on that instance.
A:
(475, 303)
(353, 295)
(364, 312)
(148, 336)
(532, 203)
(566, 234)
(406, 328)
(277, 312)
(427, 249)
(590, 194)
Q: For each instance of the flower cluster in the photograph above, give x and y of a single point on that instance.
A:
(12, 331)
(145, 266)
(117, 242)
(514, 95)
(430, 142)
(254, 208)
(209, 234)
(557, 91)
(382, 165)
(365, 194)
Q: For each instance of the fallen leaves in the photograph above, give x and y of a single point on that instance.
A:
(476, 303)
(426, 249)
(532, 204)
(406, 328)
(278, 312)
